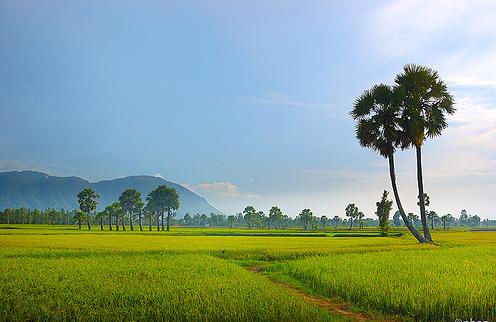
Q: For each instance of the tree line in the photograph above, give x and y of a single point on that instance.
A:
(161, 205)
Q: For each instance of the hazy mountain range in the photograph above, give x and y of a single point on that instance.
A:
(39, 190)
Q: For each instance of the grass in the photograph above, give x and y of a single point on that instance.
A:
(61, 273)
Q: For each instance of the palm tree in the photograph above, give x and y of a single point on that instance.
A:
(130, 201)
(378, 117)
(87, 203)
(425, 103)
(306, 217)
(164, 199)
(351, 211)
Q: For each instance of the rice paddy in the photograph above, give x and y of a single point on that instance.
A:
(60, 273)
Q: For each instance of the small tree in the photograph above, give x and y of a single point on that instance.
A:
(306, 217)
(383, 209)
(249, 215)
(352, 212)
(231, 219)
(87, 203)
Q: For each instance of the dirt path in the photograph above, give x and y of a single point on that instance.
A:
(327, 304)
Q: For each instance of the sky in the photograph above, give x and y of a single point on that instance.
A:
(245, 103)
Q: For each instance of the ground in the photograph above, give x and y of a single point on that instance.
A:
(62, 273)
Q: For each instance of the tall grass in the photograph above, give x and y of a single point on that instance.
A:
(436, 284)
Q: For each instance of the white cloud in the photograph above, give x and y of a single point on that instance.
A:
(158, 175)
(456, 36)
(219, 189)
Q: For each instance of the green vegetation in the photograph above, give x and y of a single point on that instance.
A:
(61, 272)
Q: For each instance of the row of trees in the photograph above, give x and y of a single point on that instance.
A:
(403, 116)
(113, 216)
(161, 204)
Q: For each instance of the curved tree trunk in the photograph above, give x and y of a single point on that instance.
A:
(408, 223)
(140, 222)
(123, 224)
(420, 182)
(101, 223)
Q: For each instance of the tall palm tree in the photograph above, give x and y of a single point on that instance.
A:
(425, 103)
(378, 117)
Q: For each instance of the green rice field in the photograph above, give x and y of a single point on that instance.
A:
(61, 273)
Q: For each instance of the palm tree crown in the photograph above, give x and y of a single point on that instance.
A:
(378, 114)
(425, 102)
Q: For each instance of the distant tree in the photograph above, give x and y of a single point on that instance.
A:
(413, 218)
(249, 215)
(351, 212)
(275, 216)
(306, 217)
(260, 219)
(204, 220)
(360, 219)
(130, 201)
(383, 209)
(397, 219)
(426, 103)
(99, 217)
(148, 213)
(232, 220)
(87, 202)
(187, 219)
(164, 200)
(324, 220)
(474, 221)
(463, 218)
(336, 221)
(432, 216)
(111, 212)
(79, 217)
(53, 216)
(445, 220)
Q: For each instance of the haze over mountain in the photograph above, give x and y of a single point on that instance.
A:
(33, 189)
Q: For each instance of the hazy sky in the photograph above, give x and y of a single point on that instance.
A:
(245, 102)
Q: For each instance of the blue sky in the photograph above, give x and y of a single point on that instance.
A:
(245, 103)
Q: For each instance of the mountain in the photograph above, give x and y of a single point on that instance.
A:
(33, 189)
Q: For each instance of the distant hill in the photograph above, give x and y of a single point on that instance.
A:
(38, 190)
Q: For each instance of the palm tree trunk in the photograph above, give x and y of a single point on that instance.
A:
(101, 223)
(110, 222)
(131, 221)
(168, 220)
(351, 222)
(420, 182)
(408, 223)
(162, 220)
(150, 222)
(88, 220)
(79, 224)
(158, 221)
(117, 223)
(140, 222)
(123, 224)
